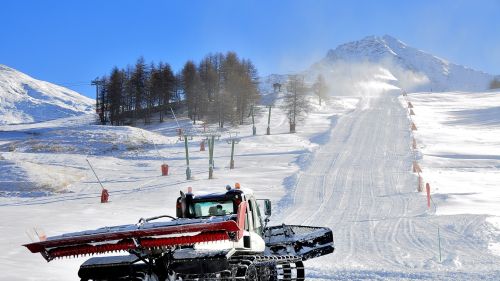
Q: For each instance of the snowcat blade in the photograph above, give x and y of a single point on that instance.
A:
(304, 241)
(129, 237)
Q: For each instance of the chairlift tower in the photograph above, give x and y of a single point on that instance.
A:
(254, 130)
(233, 139)
(268, 132)
(188, 170)
(211, 142)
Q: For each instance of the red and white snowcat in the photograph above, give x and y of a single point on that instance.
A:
(221, 236)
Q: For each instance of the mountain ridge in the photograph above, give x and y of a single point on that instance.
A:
(24, 99)
(434, 73)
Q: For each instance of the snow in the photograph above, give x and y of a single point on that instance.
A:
(414, 69)
(458, 140)
(348, 168)
(360, 184)
(24, 99)
(59, 193)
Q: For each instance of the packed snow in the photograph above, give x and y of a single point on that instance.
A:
(24, 99)
(458, 139)
(348, 167)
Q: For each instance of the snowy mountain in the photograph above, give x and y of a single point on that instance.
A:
(24, 99)
(412, 69)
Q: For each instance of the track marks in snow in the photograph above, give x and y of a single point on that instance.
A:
(360, 184)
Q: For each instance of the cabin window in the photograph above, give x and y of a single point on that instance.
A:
(213, 208)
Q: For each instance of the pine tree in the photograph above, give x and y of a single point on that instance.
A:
(320, 88)
(208, 76)
(178, 88)
(295, 100)
(129, 95)
(150, 94)
(192, 89)
(495, 84)
(102, 99)
(218, 108)
(232, 94)
(249, 85)
(115, 91)
(167, 88)
(138, 83)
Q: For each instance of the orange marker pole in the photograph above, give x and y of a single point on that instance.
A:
(428, 189)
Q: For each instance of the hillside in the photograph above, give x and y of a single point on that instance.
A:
(24, 99)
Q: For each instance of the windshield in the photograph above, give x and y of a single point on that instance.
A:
(213, 208)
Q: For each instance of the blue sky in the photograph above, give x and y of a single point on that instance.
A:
(70, 42)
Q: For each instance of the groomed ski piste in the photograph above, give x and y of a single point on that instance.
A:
(349, 167)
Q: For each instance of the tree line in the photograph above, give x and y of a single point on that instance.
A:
(495, 83)
(136, 92)
(221, 88)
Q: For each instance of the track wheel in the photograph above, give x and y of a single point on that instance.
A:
(251, 273)
(144, 276)
(268, 273)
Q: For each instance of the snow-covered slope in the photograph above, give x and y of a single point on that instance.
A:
(45, 180)
(458, 140)
(413, 69)
(24, 99)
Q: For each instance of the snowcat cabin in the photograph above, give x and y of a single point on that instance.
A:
(216, 204)
(222, 204)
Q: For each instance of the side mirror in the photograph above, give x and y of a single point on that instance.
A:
(267, 207)
(180, 206)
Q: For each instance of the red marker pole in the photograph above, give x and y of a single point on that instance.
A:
(164, 170)
(428, 189)
(104, 196)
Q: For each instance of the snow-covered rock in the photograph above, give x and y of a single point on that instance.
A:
(24, 99)
(414, 70)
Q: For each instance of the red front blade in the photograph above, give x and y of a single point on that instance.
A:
(150, 235)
